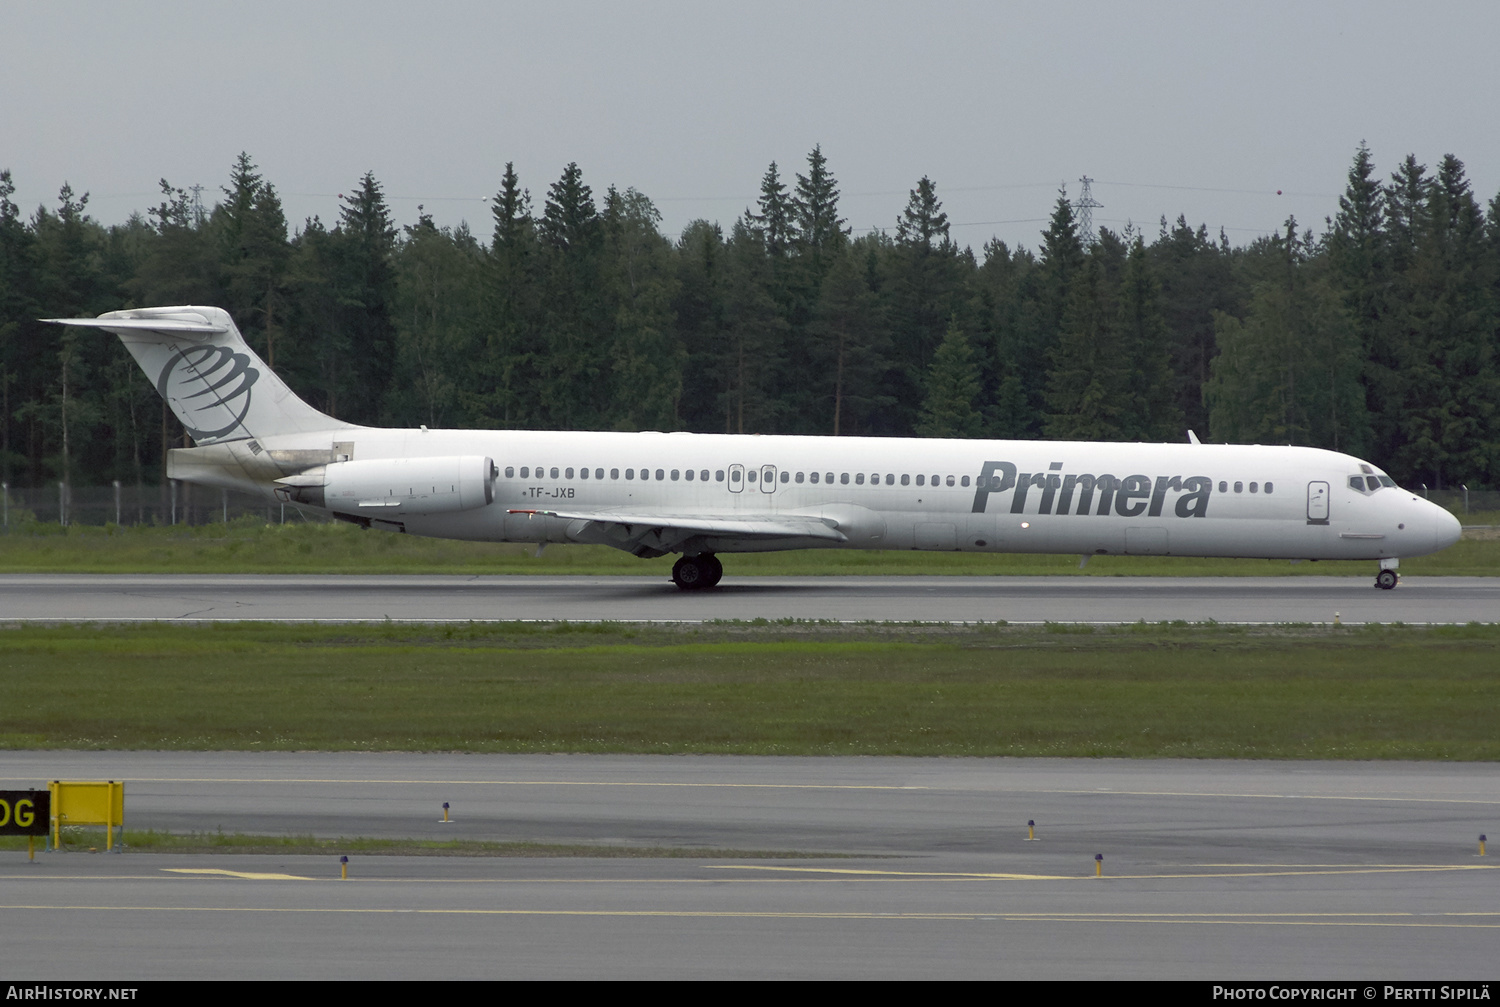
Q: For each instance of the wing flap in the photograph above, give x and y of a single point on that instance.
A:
(740, 526)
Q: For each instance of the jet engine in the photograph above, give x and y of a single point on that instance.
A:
(385, 487)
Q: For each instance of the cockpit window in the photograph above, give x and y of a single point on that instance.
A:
(1388, 481)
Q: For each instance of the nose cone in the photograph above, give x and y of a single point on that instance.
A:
(1445, 529)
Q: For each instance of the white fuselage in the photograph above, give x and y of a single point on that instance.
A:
(904, 493)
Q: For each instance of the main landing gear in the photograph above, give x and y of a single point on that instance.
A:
(697, 573)
(1387, 578)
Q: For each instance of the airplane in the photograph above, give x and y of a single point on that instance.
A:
(702, 495)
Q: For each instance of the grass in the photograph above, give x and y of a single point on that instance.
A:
(781, 688)
(250, 546)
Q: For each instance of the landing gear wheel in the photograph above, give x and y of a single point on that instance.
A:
(1386, 579)
(690, 573)
(715, 569)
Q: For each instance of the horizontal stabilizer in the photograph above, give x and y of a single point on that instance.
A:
(166, 326)
(214, 383)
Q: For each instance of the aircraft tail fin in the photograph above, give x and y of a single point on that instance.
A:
(214, 383)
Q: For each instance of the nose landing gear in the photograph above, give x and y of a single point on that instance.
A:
(697, 573)
(1386, 579)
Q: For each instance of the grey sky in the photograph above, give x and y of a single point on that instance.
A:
(1204, 109)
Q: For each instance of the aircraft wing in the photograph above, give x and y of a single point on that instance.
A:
(638, 532)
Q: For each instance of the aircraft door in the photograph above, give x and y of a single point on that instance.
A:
(768, 478)
(736, 478)
(1317, 503)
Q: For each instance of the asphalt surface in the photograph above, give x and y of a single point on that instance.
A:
(68, 597)
(1212, 870)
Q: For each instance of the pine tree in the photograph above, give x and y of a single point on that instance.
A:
(364, 248)
(924, 294)
(950, 409)
(1289, 373)
(646, 355)
(440, 319)
(509, 364)
(571, 391)
(253, 253)
(852, 343)
(1009, 333)
(1198, 282)
(750, 358)
(18, 309)
(1143, 336)
(1088, 391)
(774, 222)
(923, 224)
(1449, 376)
(700, 312)
(820, 230)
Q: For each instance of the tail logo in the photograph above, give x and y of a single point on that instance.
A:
(209, 388)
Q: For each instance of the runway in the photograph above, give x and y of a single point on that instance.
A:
(919, 868)
(299, 598)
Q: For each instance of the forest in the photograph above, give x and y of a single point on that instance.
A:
(1377, 336)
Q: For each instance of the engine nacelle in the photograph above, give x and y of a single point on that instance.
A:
(383, 488)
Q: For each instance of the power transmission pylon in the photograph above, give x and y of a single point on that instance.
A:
(198, 215)
(1085, 207)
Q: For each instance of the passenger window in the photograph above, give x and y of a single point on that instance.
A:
(1268, 487)
(1223, 487)
(630, 473)
(844, 479)
(1239, 487)
(703, 474)
(583, 473)
(813, 476)
(905, 479)
(786, 476)
(921, 480)
(554, 472)
(510, 471)
(799, 477)
(614, 473)
(890, 479)
(964, 481)
(950, 480)
(829, 479)
(718, 475)
(525, 472)
(734, 476)
(689, 475)
(675, 474)
(569, 473)
(659, 474)
(598, 473)
(1252, 487)
(750, 476)
(859, 478)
